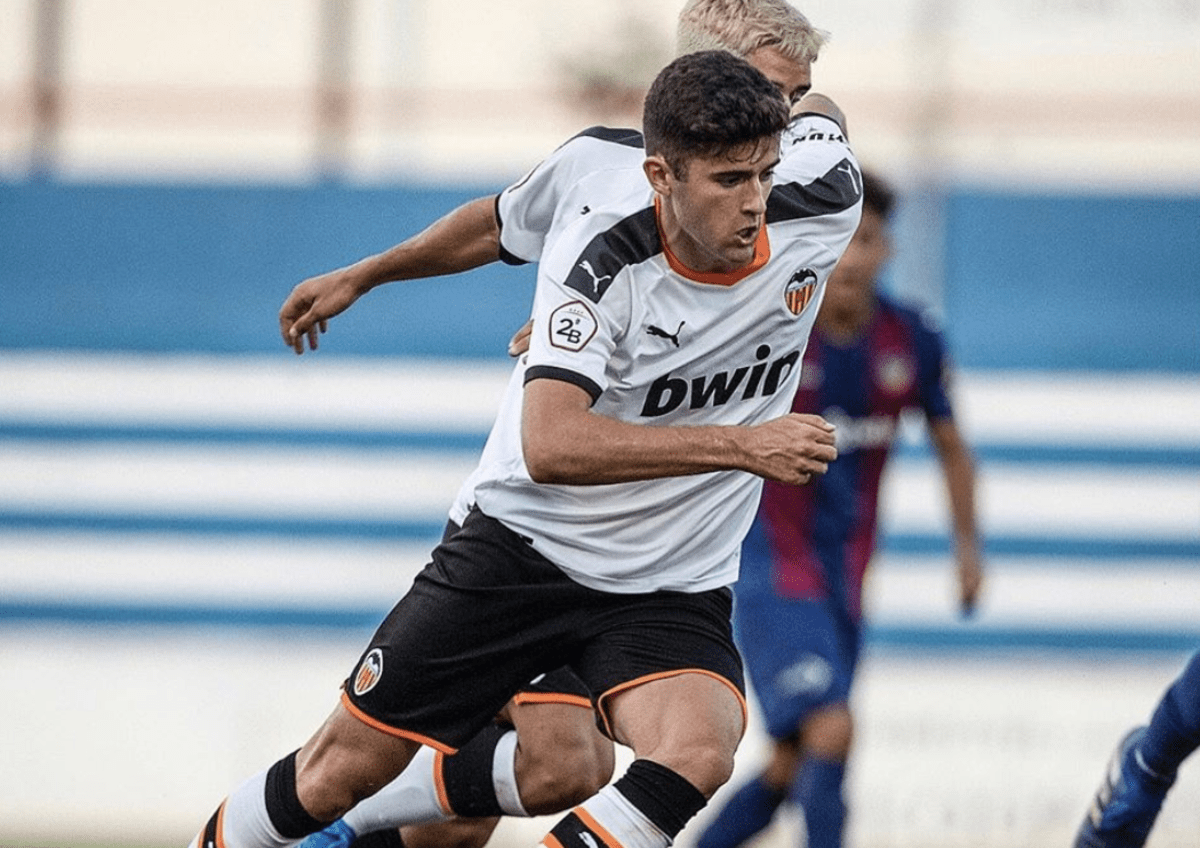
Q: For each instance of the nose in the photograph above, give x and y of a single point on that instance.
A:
(755, 200)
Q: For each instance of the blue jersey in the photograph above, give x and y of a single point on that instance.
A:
(814, 542)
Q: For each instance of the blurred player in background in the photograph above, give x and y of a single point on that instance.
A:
(1143, 768)
(627, 580)
(799, 598)
(560, 758)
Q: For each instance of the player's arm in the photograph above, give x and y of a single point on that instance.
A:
(465, 238)
(813, 103)
(564, 442)
(958, 470)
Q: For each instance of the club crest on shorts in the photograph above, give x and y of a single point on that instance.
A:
(369, 672)
(799, 291)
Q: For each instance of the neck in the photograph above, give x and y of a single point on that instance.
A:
(686, 263)
(682, 249)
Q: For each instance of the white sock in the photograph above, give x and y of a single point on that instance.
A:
(244, 821)
(412, 798)
(616, 822)
(504, 776)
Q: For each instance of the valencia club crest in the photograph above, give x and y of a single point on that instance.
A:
(800, 290)
(369, 672)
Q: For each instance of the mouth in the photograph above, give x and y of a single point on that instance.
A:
(747, 235)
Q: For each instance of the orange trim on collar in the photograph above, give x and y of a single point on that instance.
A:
(762, 252)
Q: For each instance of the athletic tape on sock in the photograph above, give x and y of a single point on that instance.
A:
(504, 776)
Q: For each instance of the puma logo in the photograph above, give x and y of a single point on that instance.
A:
(596, 280)
(663, 334)
(588, 840)
(847, 169)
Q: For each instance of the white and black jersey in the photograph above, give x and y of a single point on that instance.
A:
(589, 171)
(655, 344)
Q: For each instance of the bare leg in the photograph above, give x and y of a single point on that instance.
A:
(346, 761)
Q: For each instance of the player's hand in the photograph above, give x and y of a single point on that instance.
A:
(791, 449)
(969, 569)
(306, 312)
(519, 343)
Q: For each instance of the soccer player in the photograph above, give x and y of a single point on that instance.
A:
(619, 479)
(799, 599)
(560, 758)
(1143, 768)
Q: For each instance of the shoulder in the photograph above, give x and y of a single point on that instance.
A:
(816, 104)
(594, 149)
(818, 173)
(916, 324)
(919, 317)
(590, 254)
(621, 137)
(598, 148)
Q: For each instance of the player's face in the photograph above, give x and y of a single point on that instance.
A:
(852, 283)
(712, 219)
(792, 78)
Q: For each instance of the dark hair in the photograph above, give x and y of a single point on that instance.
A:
(878, 195)
(707, 103)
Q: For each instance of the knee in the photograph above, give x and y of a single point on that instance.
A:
(829, 733)
(345, 762)
(561, 777)
(784, 763)
(324, 797)
(707, 767)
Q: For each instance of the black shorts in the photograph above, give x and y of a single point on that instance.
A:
(561, 686)
(489, 614)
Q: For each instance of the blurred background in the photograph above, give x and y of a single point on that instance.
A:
(198, 531)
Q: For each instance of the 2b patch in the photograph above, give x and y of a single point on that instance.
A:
(572, 326)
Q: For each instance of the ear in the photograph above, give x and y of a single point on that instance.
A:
(658, 172)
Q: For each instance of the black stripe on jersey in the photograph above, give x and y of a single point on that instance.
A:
(510, 258)
(630, 241)
(627, 137)
(551, 372)
(838, 190)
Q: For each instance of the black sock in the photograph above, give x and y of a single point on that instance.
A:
(467, 775)
(283, 804)
(662, 795)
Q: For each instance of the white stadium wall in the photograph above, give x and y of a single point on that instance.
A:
(186, 585)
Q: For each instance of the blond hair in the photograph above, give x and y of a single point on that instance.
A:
(743, 26)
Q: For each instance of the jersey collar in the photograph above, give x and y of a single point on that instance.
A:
(762, 252)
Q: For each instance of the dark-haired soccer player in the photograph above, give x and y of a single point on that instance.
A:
(544, 754)
(618, 481)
